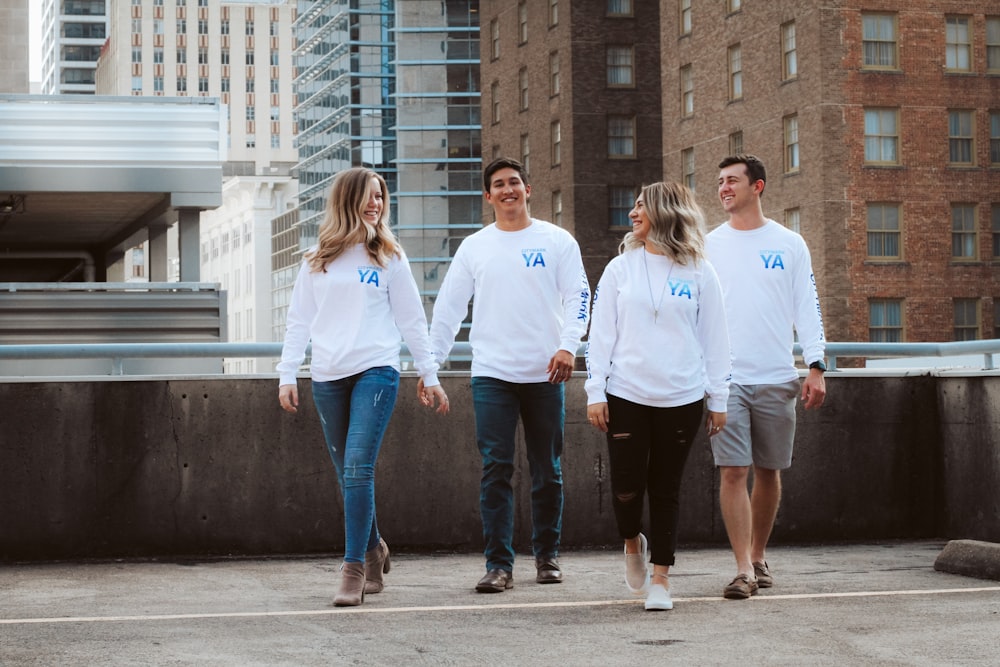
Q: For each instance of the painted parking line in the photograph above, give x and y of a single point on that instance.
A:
(472, 607)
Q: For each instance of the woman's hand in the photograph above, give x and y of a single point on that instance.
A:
(715, 422)
(597, 414)
(288, 397)
(430, 395)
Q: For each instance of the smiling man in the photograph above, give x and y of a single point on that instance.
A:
(770, 295)
(531, 307)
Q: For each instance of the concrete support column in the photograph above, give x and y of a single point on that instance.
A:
(157, 259)
(115, 267)
(189, 244)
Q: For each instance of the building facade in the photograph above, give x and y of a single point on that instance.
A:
(879, 125)
(14, 46)
(393, 86)
(572, 90)
(73, 32)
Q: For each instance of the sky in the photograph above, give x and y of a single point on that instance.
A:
(35, 40)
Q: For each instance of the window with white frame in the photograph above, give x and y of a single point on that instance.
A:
(963, 232)
(793, 220)
(555, 136)
(522, 22)
(735, 72)
(736, 142)
(557, 208)
(961, 138)
(685, 18)
(621, 136)
(495, 102)
(687, 91)
(554, 73)
(553, 13)
(958, 44)
(620, 66)
(687, 167)
(526, 153)
(884, 233)
(882, 136)
(522, 87)
(789, 53)
(791, 131)
(494, 39)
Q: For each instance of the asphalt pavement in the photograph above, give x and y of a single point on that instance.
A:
(856, 604)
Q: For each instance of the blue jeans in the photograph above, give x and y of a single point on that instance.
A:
(354, 412)
(541, 408)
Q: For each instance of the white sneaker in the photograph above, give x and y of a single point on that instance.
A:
(637, 568)
(658, 598)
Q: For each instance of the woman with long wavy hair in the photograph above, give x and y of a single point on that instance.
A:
(353, 297)
(658, 346)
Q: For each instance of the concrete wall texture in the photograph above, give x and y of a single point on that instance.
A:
(199, 467)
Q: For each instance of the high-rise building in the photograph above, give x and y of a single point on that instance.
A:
(572, 90)
(393, 86)
(14, 46)
(878, 123)
(73, 32)
(240, 51)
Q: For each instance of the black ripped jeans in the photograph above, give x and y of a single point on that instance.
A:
(647, 450)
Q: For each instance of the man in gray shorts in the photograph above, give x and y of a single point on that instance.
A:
(770, 294)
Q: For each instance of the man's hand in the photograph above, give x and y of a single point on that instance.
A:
(814, 389)
(561, 366)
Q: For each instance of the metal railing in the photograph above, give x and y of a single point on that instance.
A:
(117, 353)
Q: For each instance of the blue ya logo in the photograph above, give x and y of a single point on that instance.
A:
(533, 258)
(773, 261)
(680, 288)
(368, 276)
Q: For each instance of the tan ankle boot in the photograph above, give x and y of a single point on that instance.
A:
(376, 564)
(351, 592)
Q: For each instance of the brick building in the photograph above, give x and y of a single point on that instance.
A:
(572, 89)
(879, 123)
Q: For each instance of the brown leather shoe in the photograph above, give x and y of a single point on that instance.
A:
(547, 571)
(351, 592)
(495, 581)
(740, 588)
(764, 578)
(376, 564)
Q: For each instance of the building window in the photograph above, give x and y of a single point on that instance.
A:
(215, 248)
(687, 91)
(249, 28)
(878, 41)
(275, 59)
(966, 319)
(883, 231)
(553, 13)
(158, 55)
(251, 113)
(275, 86)
(494, 39)
(158, 84)
(202, 55)
(963, 232)
(275, 114)
(789, 55)
(522, 22)
(495, 101)
(619, 8)
(995, 227)
(275, 141)
(687, 167)
(522, 87)
(202, 26)
(224, 56)
(182, 55)
(137, 54)
(249, 85)
(734, 5)
(182, 84)
(136, 84)
(736, 142)
(224, 27)
(619, 60)
(181, 26)
(995, 138)
(958, 45)
(249, 58)
(993, 43)
(960, 138)
(203, 84)
(735, 72)
(793, 220)
(885, 320)
(881, 136)
(225, 243)
(251, 141)
(685, 17)
(557, 208)
(554, 73)
(621, 199)
(791, 144)
(621, 136)
(526, 153)
(555, 132)
(224, 85)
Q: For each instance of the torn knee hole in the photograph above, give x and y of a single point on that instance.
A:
(621, 436)
(626, 497)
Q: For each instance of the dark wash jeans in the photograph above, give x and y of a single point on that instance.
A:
(541, 408)
(354, 412)
(647, 450)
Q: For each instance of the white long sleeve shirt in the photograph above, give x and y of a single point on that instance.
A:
(354, 313)
(767, 279)
(532, 299)
(666, 359)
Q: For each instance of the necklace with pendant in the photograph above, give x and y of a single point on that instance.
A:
(649, 284)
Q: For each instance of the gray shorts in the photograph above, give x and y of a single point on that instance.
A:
(760, 426)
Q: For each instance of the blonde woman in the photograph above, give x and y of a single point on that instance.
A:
(353, 296)
(658, 345)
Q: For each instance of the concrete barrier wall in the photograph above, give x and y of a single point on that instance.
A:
(174, 467)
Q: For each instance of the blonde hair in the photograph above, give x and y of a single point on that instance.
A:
(344, 224)
(677, 223)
